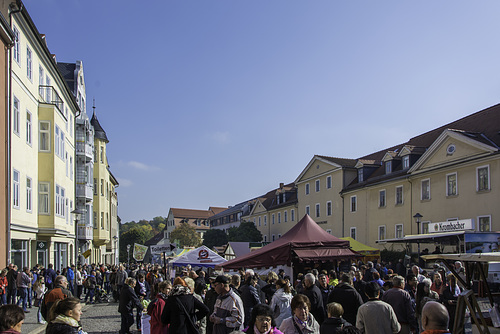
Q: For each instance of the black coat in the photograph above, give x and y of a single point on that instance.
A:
(333, 325)
(175, 316)
(128, 300)
(59, 328)
(316, 300)
(250, 298)
(347, 296)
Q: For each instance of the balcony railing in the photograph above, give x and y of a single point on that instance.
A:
(85, 190)
(83, 148)
(85, 232)
(49, 95)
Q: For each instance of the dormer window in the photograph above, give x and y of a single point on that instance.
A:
(388, 167)
(360, 175)
(278, 199)
(406, 162)
(284, 198)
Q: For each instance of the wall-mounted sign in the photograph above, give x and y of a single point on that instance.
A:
(41, 244)
(454, 225)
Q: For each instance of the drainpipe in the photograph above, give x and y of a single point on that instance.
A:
(8, 144)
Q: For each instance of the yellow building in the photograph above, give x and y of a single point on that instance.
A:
(105, 203)
(447, 174)
(42, 151)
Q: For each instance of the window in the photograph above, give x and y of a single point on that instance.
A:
(388, 167)
(308, 210)
(16, 189)
(16, 118)
(279, 217)
(29, 195)
(381, 232)
(284, 197)
(44, 136)
(259, 220)
(353, 203)
(406, 161)
(451, 184)
(426, 190)
(95, 187)
(102, 187)
(353, 233)
(484, 223)
(329, 208)
(381, 198)
(318, 213)
(41, 74)
(399, 231)
(66, 160)
(329, 231)
(399, 195)
(483, 178)
(279, 236)
(48, 91)
(265, 238)
(274, 237)
(317, 186)
(360, 175)
(102, 220)
(29, 64)
(265, 220)
(285, 216)
(44, 198)
(292, 214)
(425, 227)
(272, 218)
(307, 188)
(57, 141)
(95, 220)
(60, 201)
(102, 154)
(71, 168)
(17, 45)
(328, 182)
(28, 128)
(107, 221)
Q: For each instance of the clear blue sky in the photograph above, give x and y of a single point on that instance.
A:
(210, 103)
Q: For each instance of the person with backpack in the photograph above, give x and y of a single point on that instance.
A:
(58, 293)
(128, 301)
(155, 308)
(50, 276)
(90, 283)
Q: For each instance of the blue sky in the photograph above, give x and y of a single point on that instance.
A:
(210, 103)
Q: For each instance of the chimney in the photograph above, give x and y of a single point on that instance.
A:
(282, 185)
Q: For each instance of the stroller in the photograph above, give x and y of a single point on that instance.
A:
(100, 295)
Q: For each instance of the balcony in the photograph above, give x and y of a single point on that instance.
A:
(84, 190)
(85, 149)
(85, 232)
(49, 95)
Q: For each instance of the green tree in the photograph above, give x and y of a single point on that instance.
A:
(214, 237)
(135, 235)
(245, 232)
(186, 235)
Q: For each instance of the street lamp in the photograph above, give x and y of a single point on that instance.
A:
(78, 216)
(128, 255)
(115, 238)
(418, 218)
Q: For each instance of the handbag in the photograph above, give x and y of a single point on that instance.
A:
(188, 316)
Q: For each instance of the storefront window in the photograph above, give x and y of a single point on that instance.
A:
(60, 255)
(19, 253)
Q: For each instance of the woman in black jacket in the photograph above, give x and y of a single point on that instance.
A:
(182, 309)
(64, 317)
(128, 301)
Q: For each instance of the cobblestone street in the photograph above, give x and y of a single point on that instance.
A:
(97, 318)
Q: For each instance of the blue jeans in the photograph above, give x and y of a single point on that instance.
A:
(23, 296)
(3, 299)
(90, 294)
(30, 295)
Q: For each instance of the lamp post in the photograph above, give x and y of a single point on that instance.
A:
(78, 216)
(115, 238)
(418, 218)
(128, 255)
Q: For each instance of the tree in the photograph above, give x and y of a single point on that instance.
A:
(186, 235)
(214, 237)
(136, 234)
(245, 232)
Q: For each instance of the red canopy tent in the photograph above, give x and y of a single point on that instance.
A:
(306, 241)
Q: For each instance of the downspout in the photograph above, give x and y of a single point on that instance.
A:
(8, 144)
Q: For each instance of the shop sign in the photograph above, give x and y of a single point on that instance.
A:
(41, 244)
(450, 226)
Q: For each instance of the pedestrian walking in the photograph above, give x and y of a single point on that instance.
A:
(128, 301)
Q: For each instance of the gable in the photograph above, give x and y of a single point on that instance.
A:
(450, 147)
(258, 208)
(317, 167)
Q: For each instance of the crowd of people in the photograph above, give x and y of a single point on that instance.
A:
(367, 298)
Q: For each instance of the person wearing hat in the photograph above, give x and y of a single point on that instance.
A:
(228, 313)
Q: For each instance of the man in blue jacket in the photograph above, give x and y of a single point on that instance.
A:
(70, 275)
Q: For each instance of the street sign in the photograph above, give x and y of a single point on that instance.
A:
(158, 249)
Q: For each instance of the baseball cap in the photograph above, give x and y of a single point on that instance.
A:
(222, 279)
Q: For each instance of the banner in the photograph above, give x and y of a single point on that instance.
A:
(87, 253)
(139, 252)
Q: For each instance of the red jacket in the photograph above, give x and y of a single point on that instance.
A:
(157, 327)
(3, 284)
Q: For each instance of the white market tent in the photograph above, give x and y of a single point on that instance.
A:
(199, 257)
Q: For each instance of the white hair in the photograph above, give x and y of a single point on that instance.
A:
(250, 272)
(310, 277)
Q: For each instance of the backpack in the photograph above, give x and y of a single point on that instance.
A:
(151, 306)
(56, 295)
(86, 283)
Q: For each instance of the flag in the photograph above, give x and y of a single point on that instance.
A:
(139, 252)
